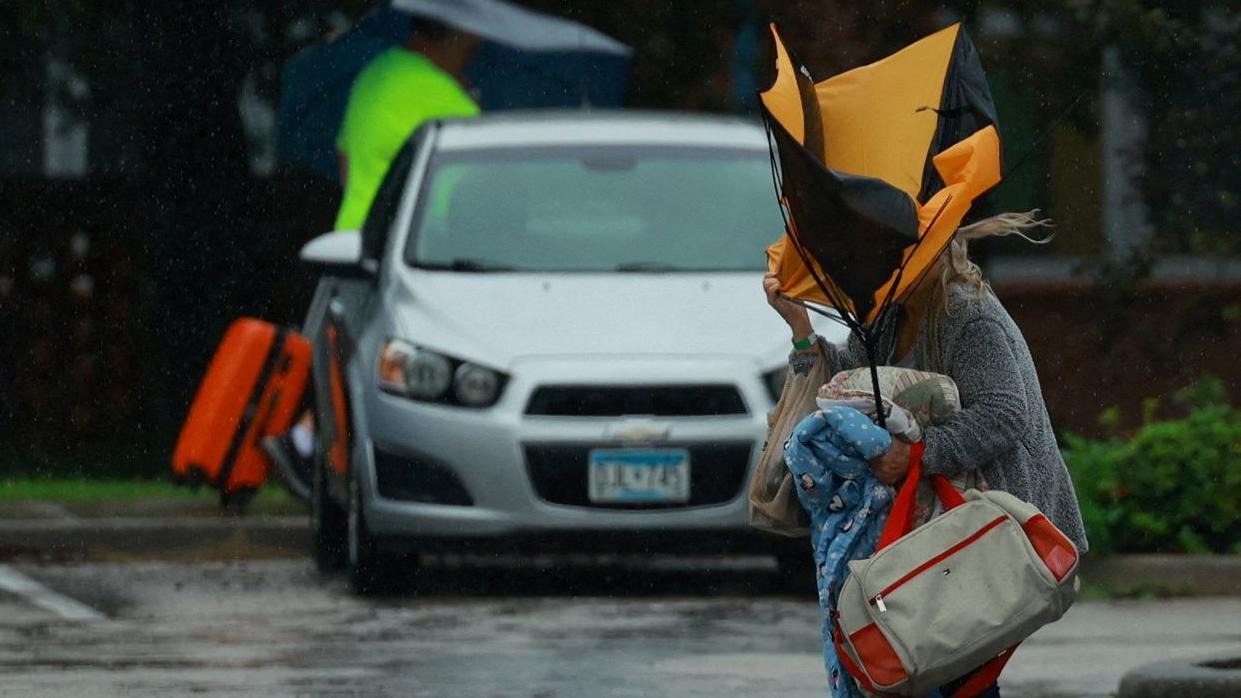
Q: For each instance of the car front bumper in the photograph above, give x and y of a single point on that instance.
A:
(486, 451)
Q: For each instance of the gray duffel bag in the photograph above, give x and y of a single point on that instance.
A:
(954, 595)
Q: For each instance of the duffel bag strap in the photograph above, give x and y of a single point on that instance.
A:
(901, 515)
(984, 676)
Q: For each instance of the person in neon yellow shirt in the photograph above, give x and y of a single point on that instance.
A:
(392, 96)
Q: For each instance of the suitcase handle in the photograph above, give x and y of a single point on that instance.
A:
(254, 409)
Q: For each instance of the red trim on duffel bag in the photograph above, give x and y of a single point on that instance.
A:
(847, 662)
(901, 513)
(877, 655)
(949, 495)
(984, 676)
(1051, 545)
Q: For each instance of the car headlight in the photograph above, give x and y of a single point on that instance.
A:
(475, 386)
(427, 375)
(422, 374)
(775, 382)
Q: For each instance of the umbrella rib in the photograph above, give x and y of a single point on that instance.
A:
(867, 336)
(845, 314)
(790, 228)
(854, 324)
(814, 309)
(842, 304)
(900, 271)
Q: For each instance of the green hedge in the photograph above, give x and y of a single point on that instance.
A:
(1173, 487)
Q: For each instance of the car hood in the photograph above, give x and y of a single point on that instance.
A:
(499, 318)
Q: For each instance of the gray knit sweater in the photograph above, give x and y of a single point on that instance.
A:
(1002, 428)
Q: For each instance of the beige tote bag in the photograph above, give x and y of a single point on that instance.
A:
(773, 499)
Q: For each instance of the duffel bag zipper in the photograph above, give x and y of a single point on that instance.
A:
(877, 601)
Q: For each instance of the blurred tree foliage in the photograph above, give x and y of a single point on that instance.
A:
(1187, 55)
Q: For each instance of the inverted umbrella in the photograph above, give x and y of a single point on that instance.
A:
(527, 60)
(875, 169)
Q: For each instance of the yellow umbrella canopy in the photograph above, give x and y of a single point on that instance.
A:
(877, 167)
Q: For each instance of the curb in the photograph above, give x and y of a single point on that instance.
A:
(1177, 575)
(145, 536)
(1211, 677)
(268, 535)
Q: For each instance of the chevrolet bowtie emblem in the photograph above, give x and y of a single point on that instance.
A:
(639, 431)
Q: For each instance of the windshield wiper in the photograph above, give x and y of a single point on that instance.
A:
(463, 264)
(647, 267)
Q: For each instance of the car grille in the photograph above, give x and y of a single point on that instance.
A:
(418, 479)
(617, 401)
(559, 474)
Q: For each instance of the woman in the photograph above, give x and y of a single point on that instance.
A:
(953, 324)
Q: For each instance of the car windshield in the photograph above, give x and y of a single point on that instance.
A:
(613, 208)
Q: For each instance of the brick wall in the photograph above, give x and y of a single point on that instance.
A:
(1096, 349)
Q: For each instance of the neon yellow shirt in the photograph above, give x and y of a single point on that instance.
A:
(392, 96)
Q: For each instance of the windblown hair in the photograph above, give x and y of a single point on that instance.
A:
(954, 266)
(955, 263)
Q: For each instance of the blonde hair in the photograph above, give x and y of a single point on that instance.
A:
(955, 264)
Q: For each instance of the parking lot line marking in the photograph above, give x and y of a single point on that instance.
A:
(52, 510)
(35, 593)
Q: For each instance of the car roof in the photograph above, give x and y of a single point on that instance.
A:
(589, 127)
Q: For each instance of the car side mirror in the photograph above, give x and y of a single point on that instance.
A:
(338, 253)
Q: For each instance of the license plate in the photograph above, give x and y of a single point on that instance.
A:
(639, 475)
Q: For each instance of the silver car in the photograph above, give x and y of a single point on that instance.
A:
(549, 335)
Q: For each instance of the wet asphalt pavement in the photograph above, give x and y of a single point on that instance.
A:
(530, 628)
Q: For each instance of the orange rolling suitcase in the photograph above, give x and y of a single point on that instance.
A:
(253, 388)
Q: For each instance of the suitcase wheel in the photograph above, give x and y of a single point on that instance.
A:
(238, 500)
(195, 477)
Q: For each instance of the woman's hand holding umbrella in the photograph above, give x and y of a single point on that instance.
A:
(794, 314)
(890, 467)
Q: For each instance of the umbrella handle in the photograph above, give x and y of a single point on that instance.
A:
(869, 343)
